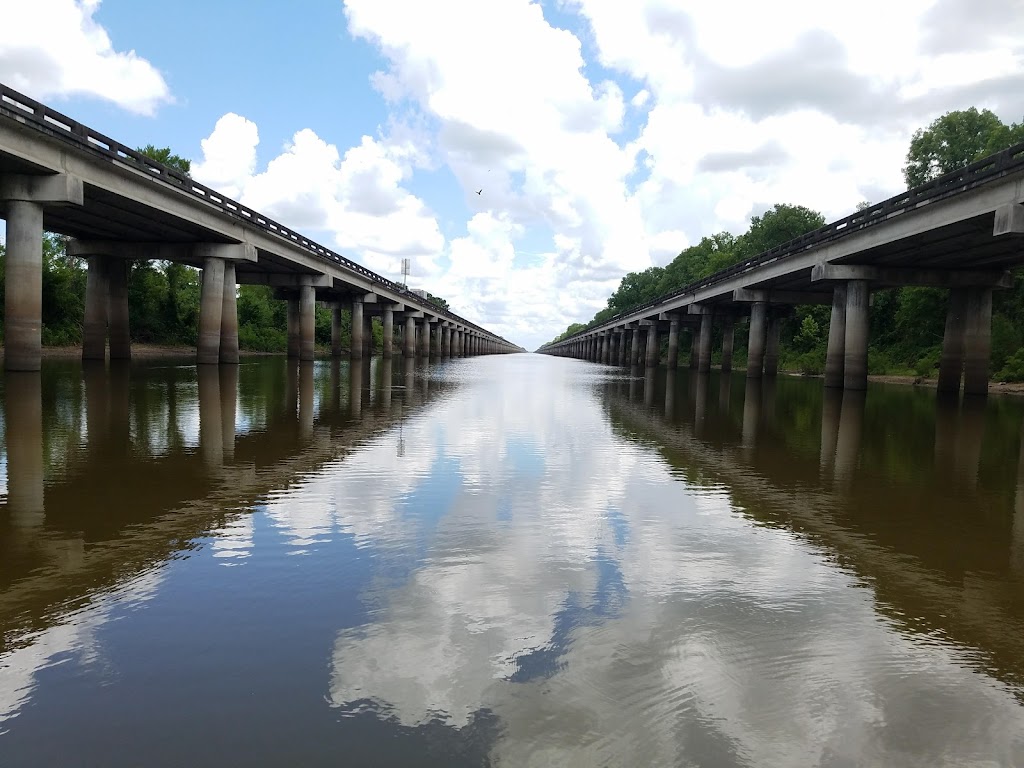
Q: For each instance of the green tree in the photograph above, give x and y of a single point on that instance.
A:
(776, 226)
(955, 140)
(164, 155)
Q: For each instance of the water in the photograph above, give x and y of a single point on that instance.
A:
(511, 561)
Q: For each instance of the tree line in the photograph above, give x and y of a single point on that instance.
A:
(907, 324)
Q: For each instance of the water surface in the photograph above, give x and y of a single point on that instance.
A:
(511, 561)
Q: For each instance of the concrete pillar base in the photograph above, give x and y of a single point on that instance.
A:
(229, 318)
(757, 339)
(836, 354)
(855, 359)
(211, 308)
(307, 323)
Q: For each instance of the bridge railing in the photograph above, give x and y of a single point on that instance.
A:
(976, 174)
(29, 111)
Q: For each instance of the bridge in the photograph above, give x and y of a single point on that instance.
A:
(118, 205)
(961, 231)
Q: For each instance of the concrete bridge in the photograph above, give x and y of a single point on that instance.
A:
(119, 205)
(961, 231)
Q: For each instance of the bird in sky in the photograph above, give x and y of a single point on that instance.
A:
(479, 191)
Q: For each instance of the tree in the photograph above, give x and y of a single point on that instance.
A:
(437, 301)
(776, 226)
(163, 155)
(954, 140)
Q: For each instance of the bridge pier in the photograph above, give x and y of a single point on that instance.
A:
(118, 317)
(229, 318)
(757, 339)
(704, 350)
(653, 353)
(388, 333)
(355, 347)
(409, 347)
(623, 347)
(728, 339)
(307, 323)
(771, 346)
(855, 357)
(673, 343)
(336, 345)
(977, 340)
(211, 307)
(836, 353)
(425, 339)
(97, 296)
(293, 327)
(446, 341)
(694, 348)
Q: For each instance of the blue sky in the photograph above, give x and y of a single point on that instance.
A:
(606, 136)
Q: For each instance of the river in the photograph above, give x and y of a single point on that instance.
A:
(515, 561)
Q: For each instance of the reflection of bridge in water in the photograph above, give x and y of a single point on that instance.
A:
(844, 471)
(73, 532)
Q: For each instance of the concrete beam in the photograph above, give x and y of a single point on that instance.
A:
(145, 251)
(1009, 220)
(276, 280)
(923, 277)
(748, 295)
(58, 188)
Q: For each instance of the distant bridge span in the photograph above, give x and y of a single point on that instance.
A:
(119, 205)
(961, 231)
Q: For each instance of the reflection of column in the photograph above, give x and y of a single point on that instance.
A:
(947, 413)
(969, 440)
(724, 393)
(830, 408)
(751, 413)
(649, 387)
(728, 337)
(634, 373)
(670, 394)
(23, 411)
(771, 347)
(211, 435)
(1017, 527)
(385, 383)
(408, 378)
(701, 406)
(306, 397)
(119, 389)
(334, 398)
(851, 424)
(97, 405)
(228, 406)
(291, 390)
(355, 389)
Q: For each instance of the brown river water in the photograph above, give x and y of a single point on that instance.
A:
(510, 561)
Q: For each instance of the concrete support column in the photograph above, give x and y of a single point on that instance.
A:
(435, 340)
(602, 348)
(425, 339)
(211, 308)
(977, 340)
(409, 347)
(307, 323)
(229, 318)
(117, 308)
(446, 342)
(836, 354)
(653, 353)
(23, 287)
(855, 359)
(336, 329)
(952, 361)
(756, 340)
(673, 343)
(94, 326)
(623, 347)
(355, 347)
(293, 326)
(367, 335)
(771, 347)
(694, 347)
(728, 338)
(704, 352)
(388, 331)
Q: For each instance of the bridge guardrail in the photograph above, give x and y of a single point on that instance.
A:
(33, 112)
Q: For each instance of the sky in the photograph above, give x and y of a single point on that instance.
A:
(523, 155)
